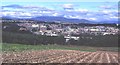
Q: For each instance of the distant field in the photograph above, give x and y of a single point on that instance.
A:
(21, 47)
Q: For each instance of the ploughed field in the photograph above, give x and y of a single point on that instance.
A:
(60, 56)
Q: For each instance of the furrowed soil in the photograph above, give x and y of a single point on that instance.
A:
(60, 56)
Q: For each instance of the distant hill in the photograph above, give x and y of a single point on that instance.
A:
(62, 19)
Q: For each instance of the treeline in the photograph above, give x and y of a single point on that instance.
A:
(23, 38)
(84, 40)
(13, 27)
(96, 40)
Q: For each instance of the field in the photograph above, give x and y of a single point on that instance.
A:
(17, 53)
(21, 47)
(60, 56)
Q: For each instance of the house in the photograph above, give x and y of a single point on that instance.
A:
(71, 37)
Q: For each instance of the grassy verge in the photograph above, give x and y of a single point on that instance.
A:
(21, 47)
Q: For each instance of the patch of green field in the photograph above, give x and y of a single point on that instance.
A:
(113, 49)
(21, 47)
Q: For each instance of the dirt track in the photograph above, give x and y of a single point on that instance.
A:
(60, 56)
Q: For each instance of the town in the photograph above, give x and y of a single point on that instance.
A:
(56, 29)
(62, 33)
(66, 29)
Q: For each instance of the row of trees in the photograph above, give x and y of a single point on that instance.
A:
(99, 40)
(84, 40)
(23, 38)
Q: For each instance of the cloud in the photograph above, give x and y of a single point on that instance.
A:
(106, 7)
(56, 14)
(8, 13)
(82, 11)
(69, 12)
(89, 14)
(76, 12)
(30, 8)
(25, 14)
(68, 6)
(12, 6)
(109, 6)
(26, 11)
(114, 17)
(101, 15)
(16, 14)
(106, 13)
(73, 17)
(92, 19)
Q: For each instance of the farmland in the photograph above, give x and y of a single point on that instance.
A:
(60, 56)
(18, 53)
(10, 47)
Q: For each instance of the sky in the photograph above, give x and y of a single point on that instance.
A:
(59, 0)
(94, 10)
